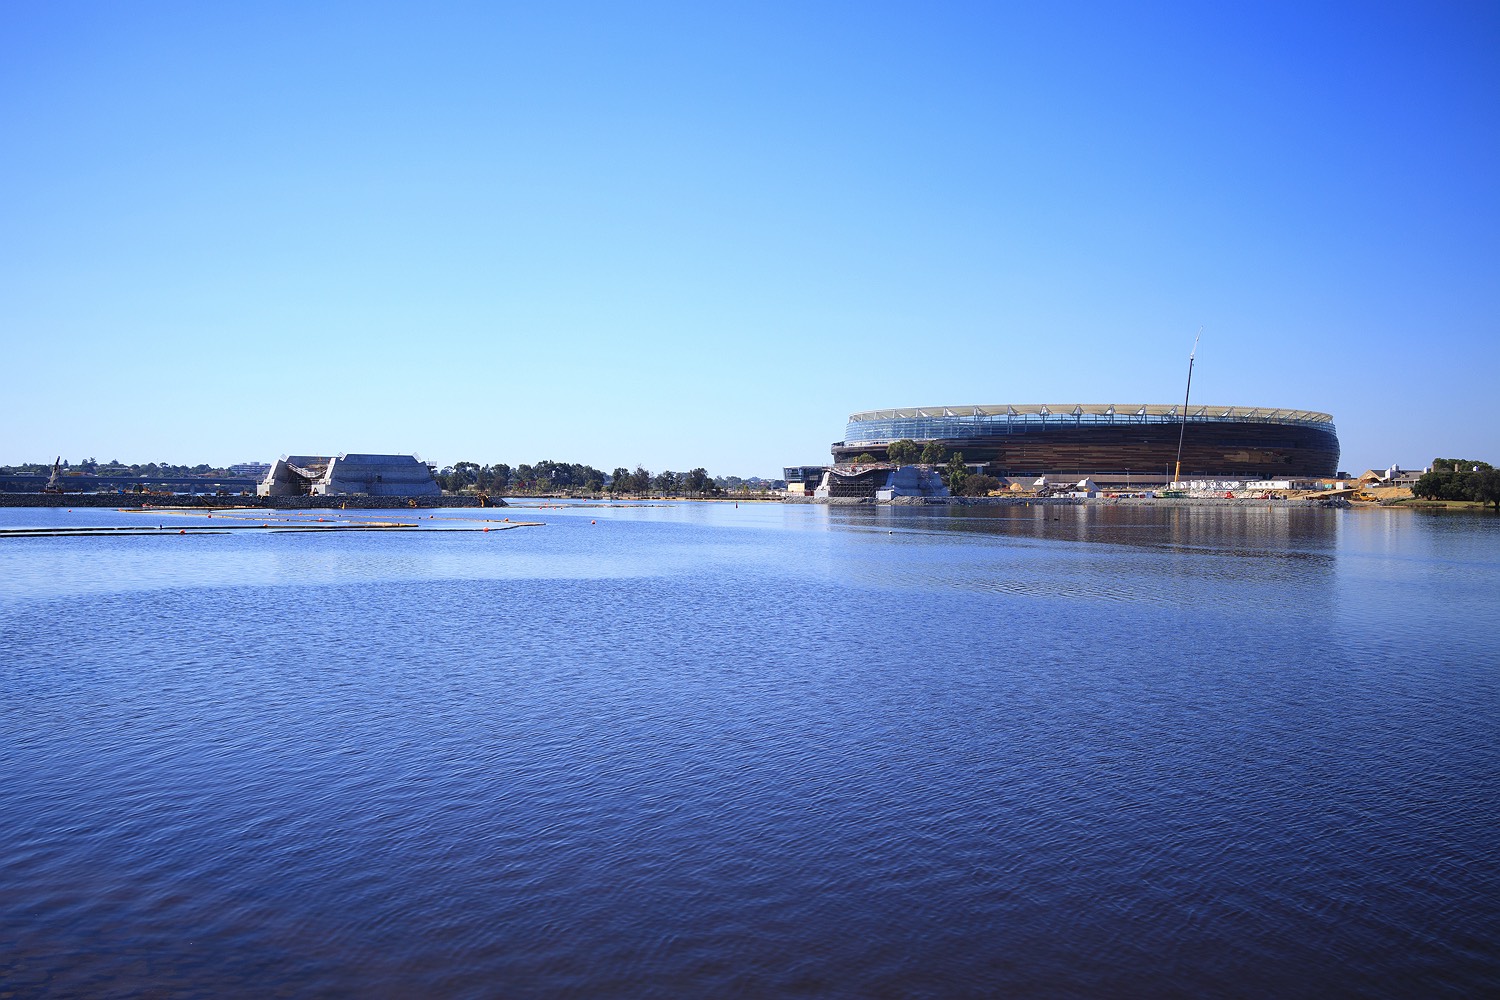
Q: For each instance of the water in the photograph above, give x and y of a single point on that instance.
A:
(705, 751)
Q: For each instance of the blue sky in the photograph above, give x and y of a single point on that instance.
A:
(703, 234)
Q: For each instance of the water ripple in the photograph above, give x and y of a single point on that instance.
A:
(830, 757)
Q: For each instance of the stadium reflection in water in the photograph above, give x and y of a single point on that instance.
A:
(1270, 527)
(702, 750)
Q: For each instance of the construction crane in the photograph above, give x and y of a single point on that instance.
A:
(1182, 430)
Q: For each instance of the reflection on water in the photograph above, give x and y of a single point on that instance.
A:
(1180, 557)
(703, 750)
(1269, 528)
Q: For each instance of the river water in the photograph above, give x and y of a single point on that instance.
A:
(702, 750)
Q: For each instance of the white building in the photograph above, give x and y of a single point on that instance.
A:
(1284, 484)
(368, 475)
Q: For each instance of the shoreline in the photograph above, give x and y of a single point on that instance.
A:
(151, 500)
(352, 502)
(469, 501)
(1338, 503)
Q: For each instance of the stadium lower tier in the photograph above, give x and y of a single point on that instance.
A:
(1226, 450)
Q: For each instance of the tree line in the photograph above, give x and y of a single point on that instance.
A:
(114, 467)
(545, 476)
(550, 477)
(908, 452)
(1460, 479)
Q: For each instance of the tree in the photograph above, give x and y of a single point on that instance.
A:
(619, 480)
(1459, 479)
(933, 453)
(864, 458)
(956, 474)
(464, 474)
(1430, 485)
(978, 485)
(1435, 485)
(666, 482)
(1459, 465)
(903, 452)
(1484, 487)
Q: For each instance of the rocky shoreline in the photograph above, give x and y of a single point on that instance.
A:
(468, 501)
(1333, 502)
(139, 500)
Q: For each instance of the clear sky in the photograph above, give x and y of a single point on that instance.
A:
(704, 233)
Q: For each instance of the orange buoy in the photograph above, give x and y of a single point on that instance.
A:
(486, 529)
(182, 531)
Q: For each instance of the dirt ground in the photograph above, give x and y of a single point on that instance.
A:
(1383, 494)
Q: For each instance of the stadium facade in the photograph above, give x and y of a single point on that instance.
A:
(1220, 442)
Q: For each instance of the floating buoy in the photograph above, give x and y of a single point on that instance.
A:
(182, 531)
(593, 522)
(486, 529)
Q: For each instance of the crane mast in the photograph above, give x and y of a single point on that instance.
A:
(1182, 426)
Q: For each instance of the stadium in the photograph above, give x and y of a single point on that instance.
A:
(1083, 439)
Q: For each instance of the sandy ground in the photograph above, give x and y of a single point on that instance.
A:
(1384, 494)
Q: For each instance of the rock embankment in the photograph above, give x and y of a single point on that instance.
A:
(1331, 502)
(938, 501)
(1024, 501)
(257, 503)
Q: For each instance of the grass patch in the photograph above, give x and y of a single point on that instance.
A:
(1418, 503)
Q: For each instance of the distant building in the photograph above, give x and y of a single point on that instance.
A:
(879, 482)
(802, 480)
(255, 470)
(1397, 476)
(1285, 484)
(1394, 476)
(1105, 439)
(367, 475)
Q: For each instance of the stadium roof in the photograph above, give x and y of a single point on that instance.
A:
(1125, 410)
